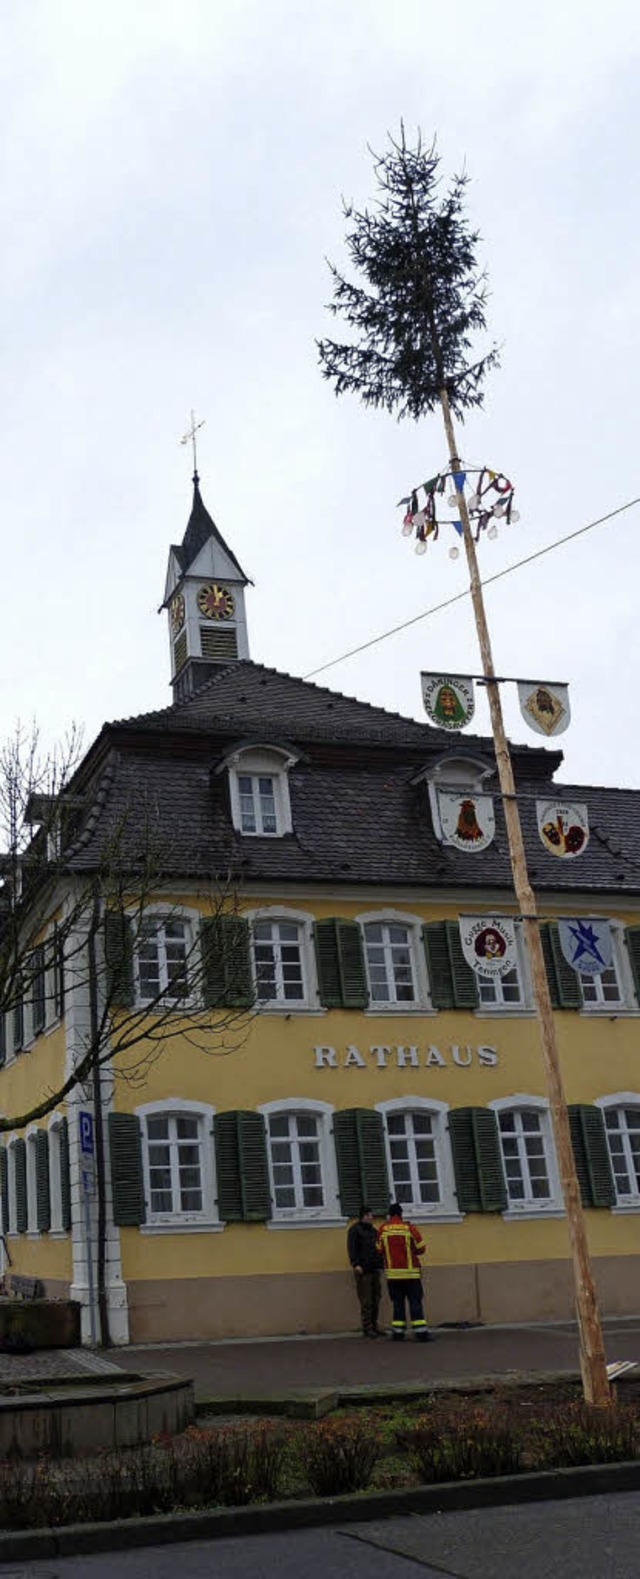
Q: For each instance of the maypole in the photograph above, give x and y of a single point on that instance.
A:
(412, 331)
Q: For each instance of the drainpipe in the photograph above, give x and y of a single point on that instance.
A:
(101, 1192)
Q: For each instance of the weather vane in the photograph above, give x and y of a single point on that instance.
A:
(191, 435)
(490, 501)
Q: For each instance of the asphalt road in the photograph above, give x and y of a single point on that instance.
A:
(583, 1538)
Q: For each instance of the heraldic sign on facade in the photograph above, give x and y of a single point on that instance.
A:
(332, 999)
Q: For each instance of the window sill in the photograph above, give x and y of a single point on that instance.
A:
(514, 1215)
(505, 1011)
(245, 833)
(307, 1009)
(608, 1011)
(276, 1223)
(380, 1011)
(623, 1208)
(34, 1233)
(420, 1216)
(57, 1233)
(179, 1227)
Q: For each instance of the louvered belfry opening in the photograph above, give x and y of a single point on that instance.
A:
(218, 645)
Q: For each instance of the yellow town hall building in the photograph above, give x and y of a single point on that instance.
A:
(301, 1029)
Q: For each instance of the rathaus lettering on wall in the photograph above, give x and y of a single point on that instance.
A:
(398, 1057)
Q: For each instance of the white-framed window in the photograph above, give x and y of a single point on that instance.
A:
(528, 1155)
(302, 1168)
(395, 962)
(178, 1163)
(258, 812)
(510, 991)
(164, 957)
(621, 1114)
(259, 790)
(283, 959)
(419, 1158)
(611, 989)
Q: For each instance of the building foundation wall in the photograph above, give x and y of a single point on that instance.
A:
(323, 1302)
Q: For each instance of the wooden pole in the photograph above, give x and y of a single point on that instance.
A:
(592, 1357)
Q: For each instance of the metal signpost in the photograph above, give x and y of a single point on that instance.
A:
(87, 1186)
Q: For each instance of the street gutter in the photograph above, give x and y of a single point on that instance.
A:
(262, 1519)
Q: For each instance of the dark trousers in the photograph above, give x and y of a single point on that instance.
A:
(368, 1289)
(409, 1289)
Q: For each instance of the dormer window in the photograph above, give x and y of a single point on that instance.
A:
(259, 790)
(454, 774)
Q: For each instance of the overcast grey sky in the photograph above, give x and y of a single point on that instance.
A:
(171, 178)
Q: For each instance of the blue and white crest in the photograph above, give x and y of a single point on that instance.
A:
(586, 944)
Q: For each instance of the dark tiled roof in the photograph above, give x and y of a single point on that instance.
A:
(358, 814)
(256, 700)
(200, 527)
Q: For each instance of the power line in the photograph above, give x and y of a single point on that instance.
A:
(457, 598)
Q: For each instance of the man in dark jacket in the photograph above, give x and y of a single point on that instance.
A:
(366, 1260)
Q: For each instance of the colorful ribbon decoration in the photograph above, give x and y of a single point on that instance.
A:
(490, 502)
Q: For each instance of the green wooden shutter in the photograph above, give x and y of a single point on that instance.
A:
(358, 1135)
(18, 1017)
(20, 1180)
(254, 1168)
(127, 1180)
(591, 1153)
(465, 990)
(43, 1195)
(452, 982)
(38, 990)
(632, 938)
(545, 938)
(240, 993)
(118, 943)
(434, 937)
(355, 994)
(373, 1161)
(227, 980)
(345, 1140)
(328, 964)
(242, 1168)
(57, 967)
(4, 1188)
(227, 1160)
(342, 977)
(65, 1176)
(564, 982)
(477, 1160)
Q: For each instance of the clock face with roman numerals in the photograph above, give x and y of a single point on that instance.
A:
(176, 611)
(216, 602)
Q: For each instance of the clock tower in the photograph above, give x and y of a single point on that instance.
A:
(204, 597)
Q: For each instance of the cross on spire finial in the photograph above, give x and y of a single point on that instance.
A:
(191, 434)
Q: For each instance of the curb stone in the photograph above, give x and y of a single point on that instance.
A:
(262, 1519)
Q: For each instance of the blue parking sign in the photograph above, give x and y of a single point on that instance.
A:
(85, 1123)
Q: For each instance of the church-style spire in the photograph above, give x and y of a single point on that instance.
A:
(200, 527)
(204, 596)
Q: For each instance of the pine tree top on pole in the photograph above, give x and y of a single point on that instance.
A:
(416, 317)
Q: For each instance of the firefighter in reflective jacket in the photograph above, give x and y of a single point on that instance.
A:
(401, 1245)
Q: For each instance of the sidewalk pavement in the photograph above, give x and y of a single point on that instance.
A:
(265, 1367)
